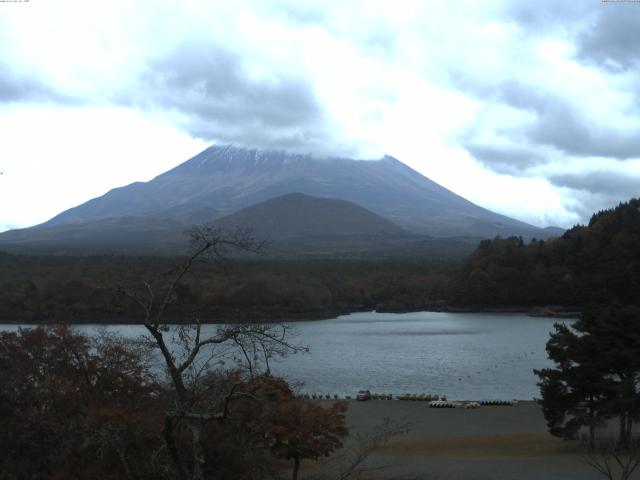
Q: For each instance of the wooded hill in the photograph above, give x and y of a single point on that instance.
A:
(599, 262)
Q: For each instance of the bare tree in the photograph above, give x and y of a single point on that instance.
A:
(188, 352)
(613, 460)
(350, 463)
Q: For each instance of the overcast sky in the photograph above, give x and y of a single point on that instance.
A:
(528, 108)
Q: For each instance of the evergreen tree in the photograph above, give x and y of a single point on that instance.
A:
(597, 373)
(573, 394)
(616, 331)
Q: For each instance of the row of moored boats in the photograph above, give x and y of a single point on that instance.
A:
(435, 400)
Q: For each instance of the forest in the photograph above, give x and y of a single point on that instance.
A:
(596, 262)
(85, 288)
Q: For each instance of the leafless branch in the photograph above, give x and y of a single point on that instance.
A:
(612, 460)
(190, 342)
(350, 463)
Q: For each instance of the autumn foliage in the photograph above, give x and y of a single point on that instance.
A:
(73, 406)
(295, 429)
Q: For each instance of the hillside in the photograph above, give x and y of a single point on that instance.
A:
(136, 235)
(594, 263)
(296, 215)
(295, 226)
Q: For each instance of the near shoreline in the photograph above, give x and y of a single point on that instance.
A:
(492, 442)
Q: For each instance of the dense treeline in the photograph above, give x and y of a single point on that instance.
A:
(599, 262)
(85, 288)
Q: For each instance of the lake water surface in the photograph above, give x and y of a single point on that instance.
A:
(460, 355)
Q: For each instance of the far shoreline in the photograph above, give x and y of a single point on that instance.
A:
(558, 312)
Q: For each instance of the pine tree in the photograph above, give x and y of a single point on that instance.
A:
(596, 375)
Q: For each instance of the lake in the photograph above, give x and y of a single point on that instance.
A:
(460, 355)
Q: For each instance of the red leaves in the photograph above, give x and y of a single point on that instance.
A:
(294, 427)
(75, 407)
(68, 401)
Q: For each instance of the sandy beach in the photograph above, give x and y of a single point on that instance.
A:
(489, 443)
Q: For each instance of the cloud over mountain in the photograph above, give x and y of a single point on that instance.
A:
(519, 93)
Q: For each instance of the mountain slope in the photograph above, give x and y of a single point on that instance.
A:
(223, 180)
(130, 234)
(327, 223)
(296, 215)
(296, 226)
